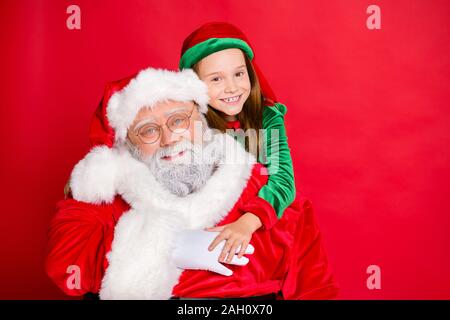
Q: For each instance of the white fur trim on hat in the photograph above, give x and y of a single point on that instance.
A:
(150, 87)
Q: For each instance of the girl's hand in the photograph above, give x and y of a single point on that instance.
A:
(238, 233)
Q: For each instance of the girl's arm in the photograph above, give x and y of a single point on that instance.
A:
(256, 213)
(280, 189)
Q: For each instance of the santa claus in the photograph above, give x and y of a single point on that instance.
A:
(154, 179)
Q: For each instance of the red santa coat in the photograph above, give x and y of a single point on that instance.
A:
(289, 256)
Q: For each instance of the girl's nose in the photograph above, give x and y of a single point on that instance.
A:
(230, 86)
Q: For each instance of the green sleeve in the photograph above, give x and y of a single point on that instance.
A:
(280, 189)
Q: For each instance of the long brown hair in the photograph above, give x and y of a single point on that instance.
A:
(251, 115)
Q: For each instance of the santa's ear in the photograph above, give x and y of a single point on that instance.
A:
(94, 178)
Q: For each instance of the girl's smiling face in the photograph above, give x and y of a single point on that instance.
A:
(225, 73)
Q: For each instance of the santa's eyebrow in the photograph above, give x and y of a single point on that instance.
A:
(183, 108)
(144, 122)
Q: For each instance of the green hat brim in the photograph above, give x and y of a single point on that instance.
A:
(207, 47)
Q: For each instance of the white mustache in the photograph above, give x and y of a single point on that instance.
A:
(175, 149)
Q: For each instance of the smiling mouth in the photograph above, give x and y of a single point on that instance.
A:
(173, 156)
(232, 99)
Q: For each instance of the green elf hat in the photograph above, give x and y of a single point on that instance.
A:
(216, 36)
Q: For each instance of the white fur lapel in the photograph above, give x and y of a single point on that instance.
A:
(139, 262)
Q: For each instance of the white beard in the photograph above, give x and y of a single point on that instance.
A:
(185, 174)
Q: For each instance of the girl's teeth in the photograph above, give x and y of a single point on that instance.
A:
(234, 99)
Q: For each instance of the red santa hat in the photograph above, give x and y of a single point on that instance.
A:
(123, 99)
(216, 36)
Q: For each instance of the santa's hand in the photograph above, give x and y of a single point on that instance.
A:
(191, 252)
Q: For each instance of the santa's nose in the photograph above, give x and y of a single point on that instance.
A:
(168, 138)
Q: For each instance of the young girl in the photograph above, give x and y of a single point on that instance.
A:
(240, 97)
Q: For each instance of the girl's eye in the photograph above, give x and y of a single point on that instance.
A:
(240, 74)
(216, 79)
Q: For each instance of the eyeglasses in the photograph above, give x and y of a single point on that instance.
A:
(177, 123)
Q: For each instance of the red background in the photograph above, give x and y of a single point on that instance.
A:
(368, 121)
